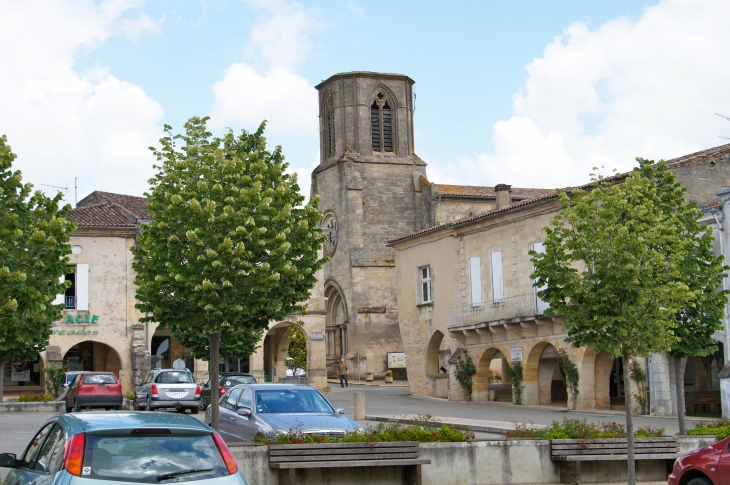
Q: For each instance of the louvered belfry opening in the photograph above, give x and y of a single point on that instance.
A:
(381, 124)
(329, 132)
(375, 126)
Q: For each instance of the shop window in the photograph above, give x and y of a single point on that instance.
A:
(22, 374)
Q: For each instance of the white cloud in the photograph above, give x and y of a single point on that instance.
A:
(133, 28)
(247, 95)
(280, 37)
(359, 11)
(646, 88)
(281, 96)
(63, 124)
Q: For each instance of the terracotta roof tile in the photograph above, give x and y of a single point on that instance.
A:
(488, 192)
(711, 205)
(100, 215)
(137, 206)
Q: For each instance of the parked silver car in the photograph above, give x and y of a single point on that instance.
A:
(168, 388)
(249, 409)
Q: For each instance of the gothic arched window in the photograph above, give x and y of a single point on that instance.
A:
(329, 131)
(381, 124)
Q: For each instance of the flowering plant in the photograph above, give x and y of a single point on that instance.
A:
(495, 375)
(464, 373)
(389, 373)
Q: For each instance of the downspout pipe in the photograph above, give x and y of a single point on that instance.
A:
(724, 282)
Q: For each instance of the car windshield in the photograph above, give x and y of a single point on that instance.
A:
(291, 401)
(175, 378)
(99, 379)
(146, 458)
(230, 381)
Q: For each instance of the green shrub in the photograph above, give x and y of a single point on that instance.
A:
(35, 398)
(130, 396)
(720, 432)
(425, 430)
(579, 429)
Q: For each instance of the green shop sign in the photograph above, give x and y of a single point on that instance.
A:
(80, 331)
(82, 318)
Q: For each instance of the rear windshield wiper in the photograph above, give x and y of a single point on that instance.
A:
(165, 476)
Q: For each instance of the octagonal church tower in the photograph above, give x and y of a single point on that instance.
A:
(368, 181)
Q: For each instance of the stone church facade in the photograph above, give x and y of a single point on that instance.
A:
(373, 187)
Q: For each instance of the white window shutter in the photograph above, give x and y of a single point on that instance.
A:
(82, 287)
(497, 280)
(475, 277)
(60, 298)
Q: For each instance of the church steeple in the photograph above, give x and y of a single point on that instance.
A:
(367, 114)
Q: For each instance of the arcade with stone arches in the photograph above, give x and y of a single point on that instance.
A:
(601, 385)
(92, 356)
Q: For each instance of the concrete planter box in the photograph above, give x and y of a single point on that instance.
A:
(476, 463)
(33, 407)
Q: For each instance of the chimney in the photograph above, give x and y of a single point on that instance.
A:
(504, 195)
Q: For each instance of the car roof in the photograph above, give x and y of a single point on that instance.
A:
(100, 421)
(235, 374)
(277, 387)
(170, 370)
(90, 373)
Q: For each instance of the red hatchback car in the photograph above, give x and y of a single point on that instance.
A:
(709, 465)
(94, 390)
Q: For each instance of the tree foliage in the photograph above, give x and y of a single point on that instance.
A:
(613, 265)
(464, 373)
(516, 376)
(34, 249)
(231, 247)
(701, 312)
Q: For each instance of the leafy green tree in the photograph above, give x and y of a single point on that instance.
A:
(239, 342)
(34, 249)
(296, 352)
(569, 375)
(613, 267)
(230, 246)
(701, 270)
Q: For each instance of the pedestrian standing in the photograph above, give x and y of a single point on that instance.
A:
(343, 373)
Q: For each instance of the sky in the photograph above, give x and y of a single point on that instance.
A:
(531, 93)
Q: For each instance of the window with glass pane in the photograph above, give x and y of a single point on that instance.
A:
(426, 289)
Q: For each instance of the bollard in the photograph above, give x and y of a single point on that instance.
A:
(359, 406)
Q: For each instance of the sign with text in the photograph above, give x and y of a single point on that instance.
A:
(316, 336)
(396, 360)
(515, 354)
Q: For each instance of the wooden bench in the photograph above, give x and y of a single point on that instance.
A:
(702, 398)
(570, 453)
(288, 458)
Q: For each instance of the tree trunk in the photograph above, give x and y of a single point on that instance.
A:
(680, 363)
(2, 380)
(631, 472)
(215, 340)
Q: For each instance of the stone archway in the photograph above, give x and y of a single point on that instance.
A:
(90, 355)
(492, 358)
(336, 323)
(277, 341)
(541, 376)
(437, 354)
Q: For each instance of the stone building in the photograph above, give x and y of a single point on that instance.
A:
(465, 285)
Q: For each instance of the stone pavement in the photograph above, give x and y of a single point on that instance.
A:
(387, 403)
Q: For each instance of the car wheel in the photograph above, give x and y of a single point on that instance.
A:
(699, 481)
(135, 404)
(194, 410)
(179, 410)
(77, 408)
(118, 408)
(149, 404)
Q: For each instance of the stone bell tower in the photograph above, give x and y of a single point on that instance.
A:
(368, 183)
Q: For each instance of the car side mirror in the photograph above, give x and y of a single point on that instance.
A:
(340, 410)
(137, 384)
(244, 412)
(8, 460)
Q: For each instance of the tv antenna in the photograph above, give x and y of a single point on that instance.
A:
(60, 189)
(727, 118)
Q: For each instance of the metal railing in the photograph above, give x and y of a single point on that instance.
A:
(493, 310)
(70, 301)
